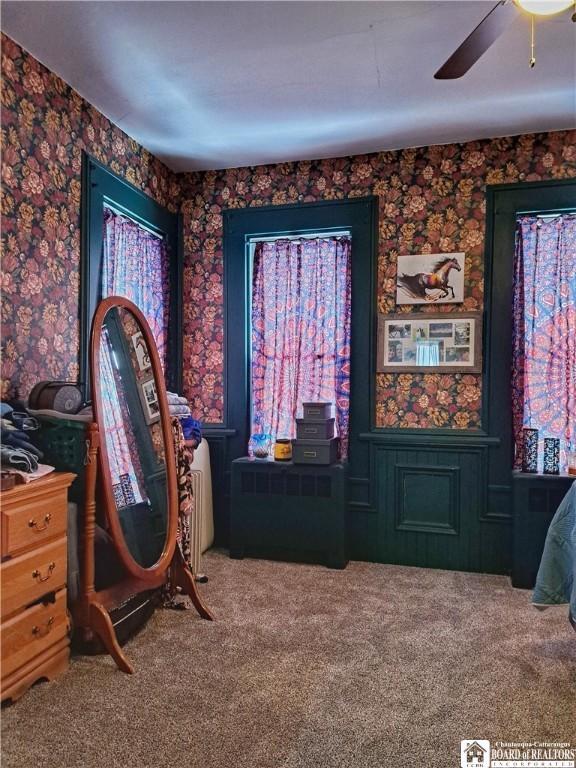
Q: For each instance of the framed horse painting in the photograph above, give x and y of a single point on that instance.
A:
(430, 278)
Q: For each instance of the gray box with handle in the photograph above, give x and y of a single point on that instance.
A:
(315, 451)
(314, 429)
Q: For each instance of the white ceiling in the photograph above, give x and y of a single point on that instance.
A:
(207, 85)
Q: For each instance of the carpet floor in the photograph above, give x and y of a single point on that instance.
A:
(375, 666)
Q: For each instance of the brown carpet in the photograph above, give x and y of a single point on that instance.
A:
(372, 667)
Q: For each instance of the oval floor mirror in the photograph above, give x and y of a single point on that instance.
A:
(136, 470)
(138, 476)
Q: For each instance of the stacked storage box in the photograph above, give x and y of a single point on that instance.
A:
(315, 442)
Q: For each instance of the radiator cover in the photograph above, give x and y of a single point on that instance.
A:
(536, 499)
(291, 512)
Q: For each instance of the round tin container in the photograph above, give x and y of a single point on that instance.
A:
(283, 449)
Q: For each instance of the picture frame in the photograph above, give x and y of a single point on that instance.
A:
(448, 342)
(141, 352)
(430, 278)
(149, 399)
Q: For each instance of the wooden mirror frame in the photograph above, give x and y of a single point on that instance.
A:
(90, 610)
(132, 566)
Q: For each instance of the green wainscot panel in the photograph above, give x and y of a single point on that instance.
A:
(431, 507)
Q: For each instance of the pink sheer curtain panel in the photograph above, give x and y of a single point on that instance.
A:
(301, 298)
(118, 432)
(135, 265)
(544, 333)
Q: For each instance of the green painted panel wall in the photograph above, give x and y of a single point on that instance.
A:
(429, 505)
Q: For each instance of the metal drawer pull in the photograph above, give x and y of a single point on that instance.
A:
(38, 576)
(34, 525)
(310, 454)
(45, 630)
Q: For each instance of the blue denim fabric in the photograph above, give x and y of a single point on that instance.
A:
(192, 429)
(556, 580)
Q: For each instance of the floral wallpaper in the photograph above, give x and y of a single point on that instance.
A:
(45, 127)
(432, 199)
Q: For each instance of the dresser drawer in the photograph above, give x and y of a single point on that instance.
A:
(27, 577)
(33, 522)
(30, 633)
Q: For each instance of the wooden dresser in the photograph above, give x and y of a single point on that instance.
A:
(34, 631)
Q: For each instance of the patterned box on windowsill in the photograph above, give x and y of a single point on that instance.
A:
(529, 450)
(551, 456)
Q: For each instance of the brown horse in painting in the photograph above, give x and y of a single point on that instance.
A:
(417, 285)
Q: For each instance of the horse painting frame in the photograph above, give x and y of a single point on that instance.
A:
(430, 278)
(425, 342)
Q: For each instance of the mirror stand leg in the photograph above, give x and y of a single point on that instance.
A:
(101, 623)
(182, 577)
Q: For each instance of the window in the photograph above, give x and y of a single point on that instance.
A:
(300, 331)
(544, 333)
(130, 247)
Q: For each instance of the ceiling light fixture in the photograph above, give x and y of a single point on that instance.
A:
(544, 7)
(493, 25)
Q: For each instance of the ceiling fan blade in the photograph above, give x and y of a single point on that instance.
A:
(478, 41)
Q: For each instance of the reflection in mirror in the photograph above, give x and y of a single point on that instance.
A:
(133, 434)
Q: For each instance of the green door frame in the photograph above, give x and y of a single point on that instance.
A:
(504, 202)
(359, 216)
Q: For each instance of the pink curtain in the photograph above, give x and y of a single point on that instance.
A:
(301, 297)
(135, 265)
(120, 439)
(544, 334)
